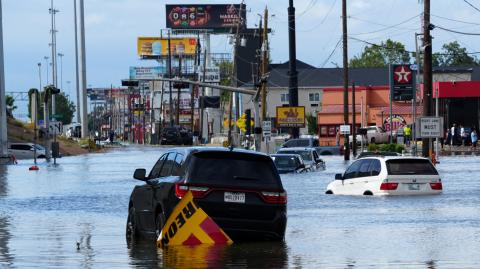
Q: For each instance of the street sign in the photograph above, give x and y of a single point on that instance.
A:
(56, 127)
(345, 129)
(402, 82)
(429, 127)
(212, 74)
(267, 128)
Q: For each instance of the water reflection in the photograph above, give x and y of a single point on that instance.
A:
(242, 255)
(84, 246)
(6, 258)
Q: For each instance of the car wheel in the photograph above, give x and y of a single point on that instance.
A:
(131, 229)
(367, 193)
(329, 192)
(159, 223)
(372, 140)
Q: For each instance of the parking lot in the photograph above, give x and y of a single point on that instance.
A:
(74, 215)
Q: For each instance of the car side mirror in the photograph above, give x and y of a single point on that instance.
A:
(140, 174)
(338, 177)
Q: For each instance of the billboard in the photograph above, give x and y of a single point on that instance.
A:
(153, 72)
(157, 46)
(290, 116)
(215, 17)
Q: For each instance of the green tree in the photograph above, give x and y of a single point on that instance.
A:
(453, 54)
(10, 105)
(388, 52)
(64, 108)
(312, 124)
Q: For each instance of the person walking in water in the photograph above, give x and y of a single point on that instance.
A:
(452, 133)
(474, 138)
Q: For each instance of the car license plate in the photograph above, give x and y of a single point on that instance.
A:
(413, 187)
(234, 197)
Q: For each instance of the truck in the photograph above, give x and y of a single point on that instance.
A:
(374, 135)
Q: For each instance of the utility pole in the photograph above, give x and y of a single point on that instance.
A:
(264, 65)
(3, 103)
(169, 63)
(76, 62)
(345, 78)
(46, 68)
(427, 71)
(53, 11)
(293, 79)
(83, 72)
(354, 115)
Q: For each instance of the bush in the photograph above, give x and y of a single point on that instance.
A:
(386, 147)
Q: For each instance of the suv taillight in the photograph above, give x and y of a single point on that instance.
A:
(274, 197)
(436, 186)
(388, 186)
(197, 191)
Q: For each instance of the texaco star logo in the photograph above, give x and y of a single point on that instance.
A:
(402, 74)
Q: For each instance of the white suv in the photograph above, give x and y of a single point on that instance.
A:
(387, 176)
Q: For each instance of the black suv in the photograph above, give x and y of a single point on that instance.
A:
(176, 136)
(241, 190)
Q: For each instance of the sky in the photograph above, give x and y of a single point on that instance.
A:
(112, 28)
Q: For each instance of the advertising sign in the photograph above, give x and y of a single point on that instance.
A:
(345, 129)
(398, 122)
(212, 74)
(293, 116)
(153, 72)
(402, 82)
(429, 127)
(156, 46)
(216, 17)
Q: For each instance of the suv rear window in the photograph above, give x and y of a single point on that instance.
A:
(297, 143)
(410, 167)
(233, 169)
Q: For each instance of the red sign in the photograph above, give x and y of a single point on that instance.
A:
(402, 74)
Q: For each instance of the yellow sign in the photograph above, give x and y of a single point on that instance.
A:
(156, 46)
(189, 225)
(292, 116)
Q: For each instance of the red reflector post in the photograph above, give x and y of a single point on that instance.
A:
(436, 186)
(388, 186)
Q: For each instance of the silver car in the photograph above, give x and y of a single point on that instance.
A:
(26, 150)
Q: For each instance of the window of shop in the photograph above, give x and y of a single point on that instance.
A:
(284, 97)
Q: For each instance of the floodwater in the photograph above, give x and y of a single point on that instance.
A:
(84, 200)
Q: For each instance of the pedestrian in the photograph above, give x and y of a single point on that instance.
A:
(452, 133)
(474, 138)
(337, 137)
(407, 132)
(463, 135)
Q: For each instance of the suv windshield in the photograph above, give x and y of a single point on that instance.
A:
(410, 167)
(306, 155)
(233, 169)
(285, 161)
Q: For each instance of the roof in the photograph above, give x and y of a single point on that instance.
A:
(188, 150)
(325, 77)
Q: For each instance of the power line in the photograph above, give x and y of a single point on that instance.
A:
(454, 31)
(386, 27)
(470, 4)
(450, 19)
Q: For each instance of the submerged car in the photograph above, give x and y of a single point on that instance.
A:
(309, 156)
(26, 150)
(388, 175)
(240, 190)
(288, 163)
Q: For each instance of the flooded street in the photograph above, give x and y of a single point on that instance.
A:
(84, 200)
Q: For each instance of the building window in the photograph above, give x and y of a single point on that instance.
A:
(284, 97)
(314, 97)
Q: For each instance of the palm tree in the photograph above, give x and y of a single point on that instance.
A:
(10, 105)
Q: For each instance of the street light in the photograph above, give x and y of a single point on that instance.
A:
(46, 65)
(40, 75)
(61, 69)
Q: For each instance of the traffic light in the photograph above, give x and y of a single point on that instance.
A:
(248, 118)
